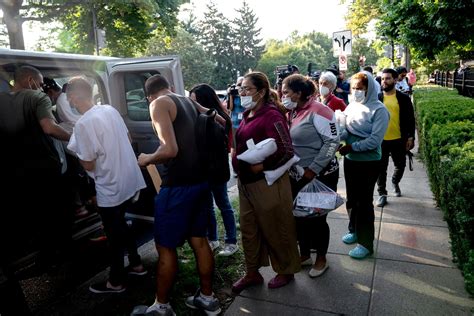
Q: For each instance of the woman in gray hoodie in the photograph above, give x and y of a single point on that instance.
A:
(366, 123)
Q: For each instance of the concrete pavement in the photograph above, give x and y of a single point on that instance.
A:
(411, 271)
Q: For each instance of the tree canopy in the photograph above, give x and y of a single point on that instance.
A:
(196, 67)
(233, 46)
(427, 27)
(127, 24)
(299, 50)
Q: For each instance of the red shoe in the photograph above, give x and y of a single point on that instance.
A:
(245, 282)
(280, 280)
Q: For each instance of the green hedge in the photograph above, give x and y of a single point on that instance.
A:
(446, 135)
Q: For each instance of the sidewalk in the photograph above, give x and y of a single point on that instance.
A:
(410, 273)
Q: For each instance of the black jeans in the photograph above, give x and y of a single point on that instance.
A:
(313, 232)
(360, 182)
(397, 149)
(120, 237)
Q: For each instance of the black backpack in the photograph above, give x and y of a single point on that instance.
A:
(212, 142)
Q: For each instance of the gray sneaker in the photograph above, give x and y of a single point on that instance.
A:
(229, 250)
(214, 244)
(382, 201)
(210, 307)
(153, 310)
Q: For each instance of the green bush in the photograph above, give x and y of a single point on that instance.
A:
(446, 132)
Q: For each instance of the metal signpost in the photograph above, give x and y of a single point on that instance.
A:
(342, 47)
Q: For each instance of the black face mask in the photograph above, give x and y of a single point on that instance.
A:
(388, 87)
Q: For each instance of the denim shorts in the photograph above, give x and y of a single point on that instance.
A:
(181, 213)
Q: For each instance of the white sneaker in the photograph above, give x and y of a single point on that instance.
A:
(214, 244)
(155, 309)
(229, 250)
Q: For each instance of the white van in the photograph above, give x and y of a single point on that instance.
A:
(118, 82)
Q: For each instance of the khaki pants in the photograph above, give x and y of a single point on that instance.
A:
(268, 226)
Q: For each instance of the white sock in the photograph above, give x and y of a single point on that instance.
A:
(206, 297)
(158, 306)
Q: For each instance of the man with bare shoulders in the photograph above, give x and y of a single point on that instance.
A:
(180, 211)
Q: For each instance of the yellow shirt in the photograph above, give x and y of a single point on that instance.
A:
(393, 130)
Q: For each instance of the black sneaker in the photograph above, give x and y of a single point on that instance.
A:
(103, 287)
(396, 190)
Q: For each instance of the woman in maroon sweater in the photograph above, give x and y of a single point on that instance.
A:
(266, 219)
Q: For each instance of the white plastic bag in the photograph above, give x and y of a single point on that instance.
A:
(341, 121)
(316, 199)
(256, 153)
(272, 175)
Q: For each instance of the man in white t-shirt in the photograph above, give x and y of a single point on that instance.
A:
(67, 115)
(102, 144)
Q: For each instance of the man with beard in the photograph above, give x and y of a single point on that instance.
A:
(400, 135)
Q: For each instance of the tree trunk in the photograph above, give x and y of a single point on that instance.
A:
(13, 21)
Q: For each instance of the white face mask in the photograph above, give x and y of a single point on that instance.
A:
(247, 102)
(288, 104)
(324, 90)
(359, 95)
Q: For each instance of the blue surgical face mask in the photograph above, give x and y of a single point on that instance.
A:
(288, 104)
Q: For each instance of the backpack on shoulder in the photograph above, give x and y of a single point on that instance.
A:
(212, 147)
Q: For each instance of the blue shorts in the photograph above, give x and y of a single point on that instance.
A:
(181, 213)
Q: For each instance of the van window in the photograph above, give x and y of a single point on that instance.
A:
(96, 93)
(137, 103)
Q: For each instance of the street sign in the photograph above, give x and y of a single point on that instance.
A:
(342, 43)
(342, 62)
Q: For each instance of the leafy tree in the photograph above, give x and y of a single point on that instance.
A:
(427, 27)
(361, 12)
(189, 24)
(3, 36)
(196, 67)
(127, 24)
(247, 44)
(216, 37)
(361, 47)
(297, 50)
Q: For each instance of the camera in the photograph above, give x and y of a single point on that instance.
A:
(233, 91)
(284, 71)
(313, 74)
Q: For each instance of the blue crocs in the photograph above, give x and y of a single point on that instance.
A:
(349, 238)
(359, 252)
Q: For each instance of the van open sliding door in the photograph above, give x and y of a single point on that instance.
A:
(126, 80)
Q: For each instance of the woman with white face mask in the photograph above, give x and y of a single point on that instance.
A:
(266, 219)
(327, 84)
(315, 138)
(366, 123)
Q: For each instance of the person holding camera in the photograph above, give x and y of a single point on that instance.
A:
(235, 108)
(315, 138)
(282, 72)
